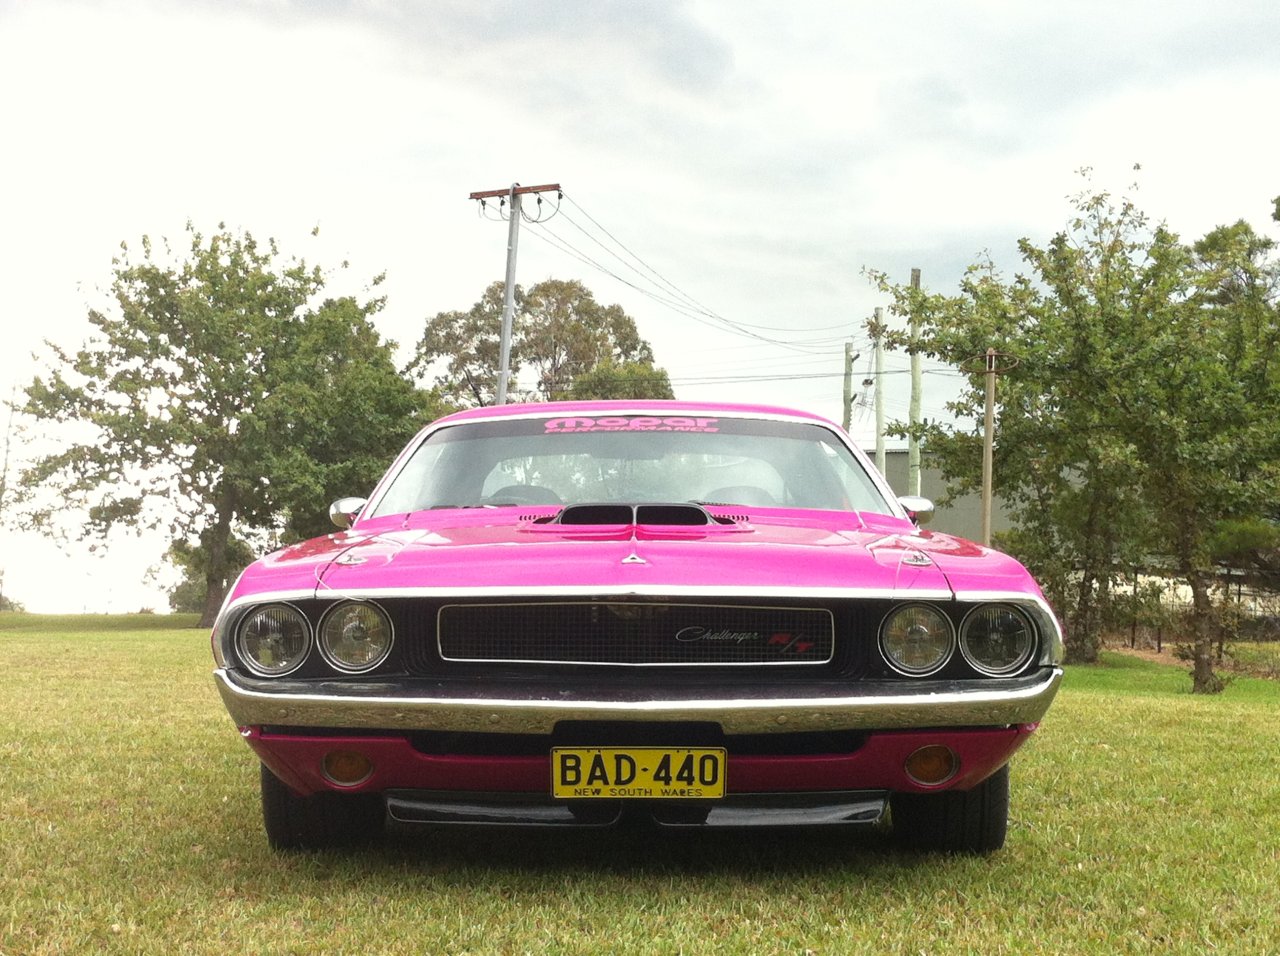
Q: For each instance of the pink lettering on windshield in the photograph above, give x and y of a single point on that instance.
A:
(677, 423)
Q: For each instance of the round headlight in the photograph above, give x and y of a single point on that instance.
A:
(917, 640)
(273, 640)
(997, 639)
(355, 637)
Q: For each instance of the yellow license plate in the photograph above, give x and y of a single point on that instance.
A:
(652, 773)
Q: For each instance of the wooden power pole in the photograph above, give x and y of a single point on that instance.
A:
(512, 194)
(846, 416)
(913, 415)
(879, 377)
(988, 445)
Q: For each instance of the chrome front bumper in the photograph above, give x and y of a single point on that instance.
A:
(777, 709)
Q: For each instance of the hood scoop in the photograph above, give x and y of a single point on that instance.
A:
(608, 520)
(680, 514)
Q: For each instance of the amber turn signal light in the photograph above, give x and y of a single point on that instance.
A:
(932, 765)
(347, 768)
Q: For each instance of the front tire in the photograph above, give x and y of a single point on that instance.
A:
(955, 821)
(320, 820)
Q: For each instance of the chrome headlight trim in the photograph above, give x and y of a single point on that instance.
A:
(251, 661)
(896, 662)
(1017, 664)
(327, 638)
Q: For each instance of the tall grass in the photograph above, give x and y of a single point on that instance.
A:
(1253, 657)
(1143, 820)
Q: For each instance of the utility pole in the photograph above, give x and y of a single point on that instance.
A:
(991, 369)
(879, 337)
(846, 416)
(988, 444)
(512, 195)
(913, 443)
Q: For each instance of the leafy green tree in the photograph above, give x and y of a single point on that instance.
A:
(1141, 415)
(1065, 474)
(470, 345)
(1205, 412)
(565, 332)
(330, 428)
(1251, 545)
(219, 397)
(610, 379)
(190, 595)
(7, 603)
(560, 334)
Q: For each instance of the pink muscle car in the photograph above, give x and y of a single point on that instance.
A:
(696, 615)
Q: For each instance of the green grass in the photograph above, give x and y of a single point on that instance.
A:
(93, 623)
(1254, 657)
(1144, 820)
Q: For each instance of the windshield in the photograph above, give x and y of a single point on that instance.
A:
(632, 459)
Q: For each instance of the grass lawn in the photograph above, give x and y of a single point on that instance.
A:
(1143, 820)
(1261, 659)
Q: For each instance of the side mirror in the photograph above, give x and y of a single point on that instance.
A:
(344, 511)
(919, 510)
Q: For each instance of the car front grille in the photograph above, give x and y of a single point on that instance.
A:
(635, 633)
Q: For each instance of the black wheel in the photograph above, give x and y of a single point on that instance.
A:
(956, 821)
(320, 820)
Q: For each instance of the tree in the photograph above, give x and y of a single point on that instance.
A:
(331, 428)
(1142, 414)
(560, 334)
(4, 456)
(6, 603)
(218, 398)
(1207, 396)
(565, 333)
(470, 342)
(1063, 472)
(610, 379)
(191, 594)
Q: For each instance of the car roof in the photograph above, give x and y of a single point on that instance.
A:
(631, 406)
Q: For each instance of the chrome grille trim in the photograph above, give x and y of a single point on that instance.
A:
(638, 634)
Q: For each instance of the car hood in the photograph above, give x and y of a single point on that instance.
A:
(504, 552)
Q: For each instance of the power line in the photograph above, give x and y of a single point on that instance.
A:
(559, 242)
(724, 379)
(677, 305)
(662, 290)
(676, 290)
(765, 361)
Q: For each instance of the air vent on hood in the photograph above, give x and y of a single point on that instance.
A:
(681, 514)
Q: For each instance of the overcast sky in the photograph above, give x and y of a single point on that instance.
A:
(756, 155)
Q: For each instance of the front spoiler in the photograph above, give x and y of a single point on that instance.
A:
(737, 810)
(521, 709)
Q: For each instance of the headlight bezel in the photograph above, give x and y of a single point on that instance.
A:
(896, 662)
(250, 661)
(325, 643)
(1020, 663)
